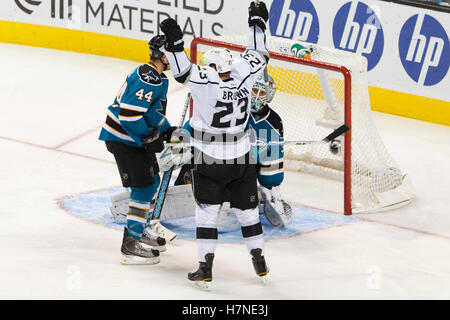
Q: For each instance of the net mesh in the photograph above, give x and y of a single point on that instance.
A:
(310, 101)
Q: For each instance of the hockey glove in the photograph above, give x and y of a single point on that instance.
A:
(168, 134)
(258, 15)
(176, 135)
(174, 35)
(153, 142)
(174, 157)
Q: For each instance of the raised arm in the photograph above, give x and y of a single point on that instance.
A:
(202, 81)
(257, 18)
(174, 50)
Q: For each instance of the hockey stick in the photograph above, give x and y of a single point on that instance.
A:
(333, 135)
(336, 133)
(162, 192)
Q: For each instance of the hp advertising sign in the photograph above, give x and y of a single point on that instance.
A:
(294, 19)
(356, 28)
(424, 49)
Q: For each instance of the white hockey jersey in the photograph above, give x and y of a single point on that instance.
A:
(221, 108)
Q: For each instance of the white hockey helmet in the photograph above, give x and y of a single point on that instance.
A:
(259, 95)
(220, 57)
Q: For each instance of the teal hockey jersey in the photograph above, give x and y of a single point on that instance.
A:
(140, 104)
(268, 127)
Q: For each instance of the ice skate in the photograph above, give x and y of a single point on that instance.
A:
(153, 240)
(202, 277)
(134, 253)
(259, 263)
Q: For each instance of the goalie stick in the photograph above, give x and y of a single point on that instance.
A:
(336, 133)
(333, 135)
(162, 192)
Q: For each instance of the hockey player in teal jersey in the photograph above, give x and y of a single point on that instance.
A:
(134, 131)
(268, 128)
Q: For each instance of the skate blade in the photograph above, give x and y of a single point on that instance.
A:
(135, 260)
(203, 285)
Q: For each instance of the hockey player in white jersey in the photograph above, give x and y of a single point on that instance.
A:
(221, 91)
(268, 131)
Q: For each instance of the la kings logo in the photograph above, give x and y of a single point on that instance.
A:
(424, 49)
(293, 19)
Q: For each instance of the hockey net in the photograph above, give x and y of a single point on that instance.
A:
(313, 98)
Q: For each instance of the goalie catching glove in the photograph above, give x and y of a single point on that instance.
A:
(277, 211)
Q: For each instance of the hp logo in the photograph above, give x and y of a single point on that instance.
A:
(424, 49)
(295, 20)
(356, 28)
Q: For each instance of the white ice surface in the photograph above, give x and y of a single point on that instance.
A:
(52, 106)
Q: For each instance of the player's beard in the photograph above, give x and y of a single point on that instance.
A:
(166, 66)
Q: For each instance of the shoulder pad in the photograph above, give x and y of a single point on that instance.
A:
(148, 74)
(275, 120)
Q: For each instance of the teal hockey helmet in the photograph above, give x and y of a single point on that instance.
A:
(259, 94)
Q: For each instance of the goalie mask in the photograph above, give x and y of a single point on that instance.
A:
(259, 94)
(221, 58)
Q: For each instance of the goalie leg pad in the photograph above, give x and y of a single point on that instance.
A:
(278, 214)
(158, 229)
(179, 203)
(227, 220)
(119, 206)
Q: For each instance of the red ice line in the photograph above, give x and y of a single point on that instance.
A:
(57, 147)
